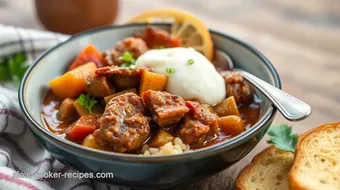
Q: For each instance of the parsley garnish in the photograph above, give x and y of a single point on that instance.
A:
(4, 71)
(13, 68)
(170, 70)
(127, 58)
(283, 137)
(86, 101)
(191, 61)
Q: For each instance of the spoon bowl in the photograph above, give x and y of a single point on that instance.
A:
(290, 107)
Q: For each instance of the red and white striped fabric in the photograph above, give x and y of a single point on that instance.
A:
(19, 151)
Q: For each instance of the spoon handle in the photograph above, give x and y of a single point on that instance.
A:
(290, 107)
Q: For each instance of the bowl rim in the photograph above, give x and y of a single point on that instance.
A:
(104, 155)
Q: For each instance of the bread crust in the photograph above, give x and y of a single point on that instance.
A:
(293, 183)
(250, 168)
(241, 178)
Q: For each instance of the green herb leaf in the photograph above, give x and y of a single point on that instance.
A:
(283, 137)
(127, 57)
(191, 61)
(4, 71)
(13, 68)
(170, 70)
(86, 101)
(16, 81)
(17, 67)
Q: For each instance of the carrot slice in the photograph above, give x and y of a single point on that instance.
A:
(82, 127)
(89, 53)
(72, 83)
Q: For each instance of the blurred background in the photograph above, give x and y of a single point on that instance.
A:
(301, 38)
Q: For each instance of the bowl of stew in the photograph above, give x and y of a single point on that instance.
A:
(153, 115)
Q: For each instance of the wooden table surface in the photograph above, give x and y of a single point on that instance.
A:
(301, 39)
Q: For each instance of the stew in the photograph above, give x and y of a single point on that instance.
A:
(140, 98)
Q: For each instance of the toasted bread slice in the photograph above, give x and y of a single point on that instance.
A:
(317, 160)
(268, 171)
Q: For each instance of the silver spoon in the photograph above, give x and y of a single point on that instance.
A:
(290, 107)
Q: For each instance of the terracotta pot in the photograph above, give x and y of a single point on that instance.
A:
(74, 16)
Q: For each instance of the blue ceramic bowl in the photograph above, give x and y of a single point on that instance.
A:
(132, 170)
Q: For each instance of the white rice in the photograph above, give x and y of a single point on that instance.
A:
(170, 148)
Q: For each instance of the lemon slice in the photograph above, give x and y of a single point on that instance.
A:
(189, 29)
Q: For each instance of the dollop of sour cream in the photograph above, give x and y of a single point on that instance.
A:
(190, 74)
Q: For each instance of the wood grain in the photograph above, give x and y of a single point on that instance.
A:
(301, 39)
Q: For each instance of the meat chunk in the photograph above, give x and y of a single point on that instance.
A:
(136, 46)
(84, 126)
(239, 88)
(123, 77)
(126, 82)
(193, 131)
(166, 109)
(98, 86)
(108, 98)
(123, 126)
(155, 38)
(199, 124)
(67, 112)
(124, 71)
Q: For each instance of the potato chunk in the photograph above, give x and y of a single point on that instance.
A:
(227, 107)
(152, 81)
(67, 110)
(90, 142)
(231, 124)
(161, 138)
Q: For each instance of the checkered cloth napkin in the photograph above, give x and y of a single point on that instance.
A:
(19, 151)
